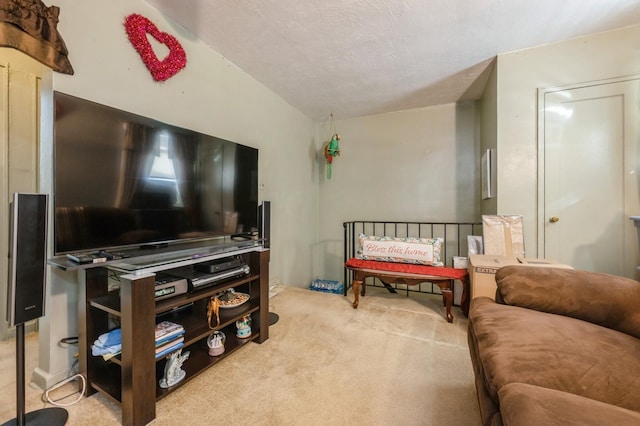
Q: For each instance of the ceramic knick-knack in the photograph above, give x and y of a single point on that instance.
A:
(215, 342)
(244, 327)
(173, 373)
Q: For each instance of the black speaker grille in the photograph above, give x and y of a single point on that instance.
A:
(27, 258)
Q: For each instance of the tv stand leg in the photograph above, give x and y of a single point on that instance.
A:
(138, 348)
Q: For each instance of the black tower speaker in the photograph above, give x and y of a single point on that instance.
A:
(26, 292)
(264, 223)
(27, 258)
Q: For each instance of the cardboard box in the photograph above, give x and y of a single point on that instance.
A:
(483, 268)
(503, 235)
(482, 271)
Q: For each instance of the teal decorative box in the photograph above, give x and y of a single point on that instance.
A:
(328, 286)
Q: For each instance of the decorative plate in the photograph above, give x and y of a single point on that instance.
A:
(231, 299)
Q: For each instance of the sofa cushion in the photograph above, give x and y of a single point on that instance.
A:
(522, 404)
(603, 299)
(511, 344)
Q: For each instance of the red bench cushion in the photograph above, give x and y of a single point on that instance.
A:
(438, 271)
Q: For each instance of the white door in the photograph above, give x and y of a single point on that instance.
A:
(589, 176)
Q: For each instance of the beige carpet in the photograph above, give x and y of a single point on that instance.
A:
(393, 361)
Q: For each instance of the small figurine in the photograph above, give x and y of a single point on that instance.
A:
(173, 373)
(213, 309)
(244, 327)
(215, 342)
(331, 150)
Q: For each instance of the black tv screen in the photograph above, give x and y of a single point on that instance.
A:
(122, 180)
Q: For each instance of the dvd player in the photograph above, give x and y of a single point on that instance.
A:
(198, 280)
(206, 280)
(168, 285)
(219, 265)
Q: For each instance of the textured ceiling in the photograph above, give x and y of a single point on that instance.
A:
(360, 57)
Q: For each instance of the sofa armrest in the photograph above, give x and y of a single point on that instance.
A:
(603, 299)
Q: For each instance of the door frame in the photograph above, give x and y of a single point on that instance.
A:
(541, 142)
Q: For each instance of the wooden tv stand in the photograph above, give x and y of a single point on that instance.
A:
(132, 377)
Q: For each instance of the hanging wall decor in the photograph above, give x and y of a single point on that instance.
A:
(332, 148)
(138, 27)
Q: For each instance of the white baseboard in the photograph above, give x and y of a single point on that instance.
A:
(44, 380)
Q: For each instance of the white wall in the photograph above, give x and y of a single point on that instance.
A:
(595, 57)
(415, 165)
(488, 131)
(210, 95)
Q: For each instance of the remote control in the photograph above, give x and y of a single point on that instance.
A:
(86, 258)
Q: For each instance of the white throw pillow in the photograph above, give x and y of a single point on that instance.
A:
(420, 251)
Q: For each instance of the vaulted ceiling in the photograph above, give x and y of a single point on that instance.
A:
(360, 57)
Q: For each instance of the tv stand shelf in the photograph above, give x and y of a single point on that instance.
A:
(131, 378)
(165, 257)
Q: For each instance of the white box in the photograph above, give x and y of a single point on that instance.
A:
(503, 235)
(460, 262)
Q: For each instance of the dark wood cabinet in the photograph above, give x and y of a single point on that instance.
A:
(132, 377)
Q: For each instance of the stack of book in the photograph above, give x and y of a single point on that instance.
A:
(169, 337)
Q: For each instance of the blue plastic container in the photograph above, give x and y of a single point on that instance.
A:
(327, 286)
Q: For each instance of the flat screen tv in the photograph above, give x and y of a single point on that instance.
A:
(122, 180)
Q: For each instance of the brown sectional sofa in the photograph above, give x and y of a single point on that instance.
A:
(557, 347)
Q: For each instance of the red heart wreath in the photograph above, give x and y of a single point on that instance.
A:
(138, 27)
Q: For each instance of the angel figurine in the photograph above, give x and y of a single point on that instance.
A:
(173, 373)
